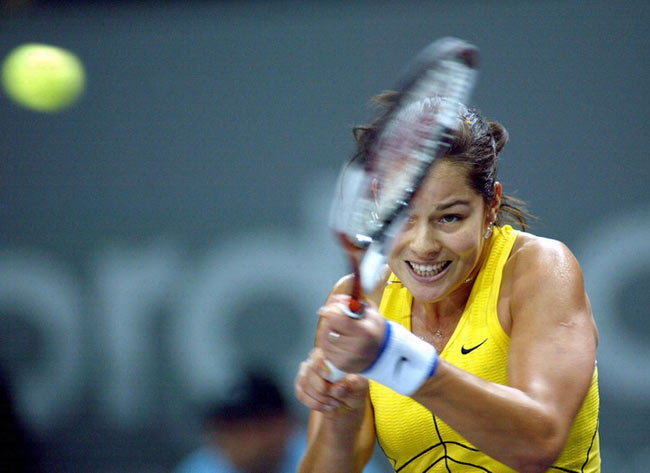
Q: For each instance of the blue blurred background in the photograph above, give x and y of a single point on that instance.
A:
(172, 225)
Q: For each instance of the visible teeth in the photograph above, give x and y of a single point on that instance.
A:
(428, 270)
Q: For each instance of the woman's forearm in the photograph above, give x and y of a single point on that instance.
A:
(499, 420)
(339, 442)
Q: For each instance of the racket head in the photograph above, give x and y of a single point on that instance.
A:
(373, 194)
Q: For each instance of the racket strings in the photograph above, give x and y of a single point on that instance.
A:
(419, 126)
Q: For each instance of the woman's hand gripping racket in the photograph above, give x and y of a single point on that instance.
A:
(373, 193)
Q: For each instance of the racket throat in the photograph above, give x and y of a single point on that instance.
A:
(367, 262)
(355, 251)
(371, 267)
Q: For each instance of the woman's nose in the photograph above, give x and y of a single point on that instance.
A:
(424, 241)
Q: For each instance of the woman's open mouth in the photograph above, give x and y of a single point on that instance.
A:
(428, 271)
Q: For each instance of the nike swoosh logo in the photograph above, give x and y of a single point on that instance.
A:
(398, 365)
(465, 351)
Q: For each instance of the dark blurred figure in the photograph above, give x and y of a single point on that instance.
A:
(249, 430)
(18, 453)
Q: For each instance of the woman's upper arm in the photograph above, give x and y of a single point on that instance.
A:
(553, 335)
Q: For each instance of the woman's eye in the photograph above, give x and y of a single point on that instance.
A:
(451, 218)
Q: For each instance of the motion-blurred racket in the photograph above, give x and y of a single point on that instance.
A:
(373, 194)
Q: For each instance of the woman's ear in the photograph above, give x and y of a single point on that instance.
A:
(493, 208)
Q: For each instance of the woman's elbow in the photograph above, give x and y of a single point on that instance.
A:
(542, 451)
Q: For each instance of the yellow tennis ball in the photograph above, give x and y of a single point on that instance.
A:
(42, 77)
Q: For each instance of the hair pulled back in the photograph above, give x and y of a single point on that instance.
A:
(476, 147)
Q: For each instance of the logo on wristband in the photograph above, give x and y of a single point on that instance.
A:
(398, 365)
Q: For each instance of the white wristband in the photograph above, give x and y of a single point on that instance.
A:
(405, 361)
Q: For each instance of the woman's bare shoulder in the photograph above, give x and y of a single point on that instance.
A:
(544, 270)
(531, 252)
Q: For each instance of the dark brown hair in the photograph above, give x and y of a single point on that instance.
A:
(476, 146)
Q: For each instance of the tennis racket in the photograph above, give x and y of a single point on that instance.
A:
(373, 193)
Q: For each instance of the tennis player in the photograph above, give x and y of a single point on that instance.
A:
(477, 353)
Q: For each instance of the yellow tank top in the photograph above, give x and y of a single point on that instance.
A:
(414, 440)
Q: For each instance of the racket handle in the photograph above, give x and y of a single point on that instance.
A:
(335, 375)
(354, 310)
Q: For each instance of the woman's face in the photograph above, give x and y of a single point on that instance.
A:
(443, 241)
